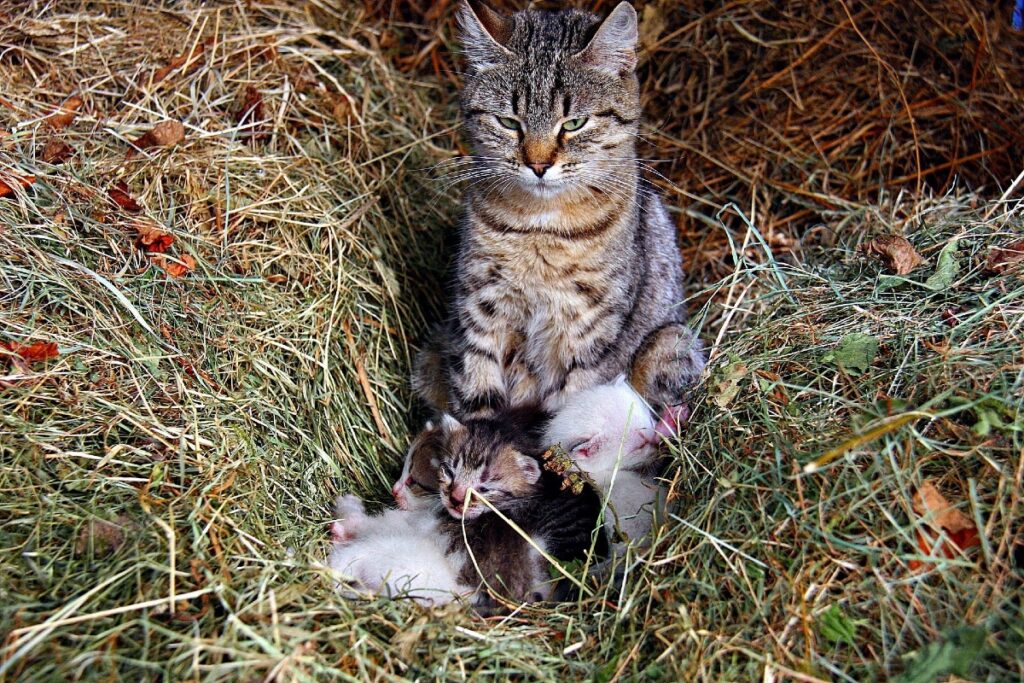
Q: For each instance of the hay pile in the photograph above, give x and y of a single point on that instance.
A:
(233, 313)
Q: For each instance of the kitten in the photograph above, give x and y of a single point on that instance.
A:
(460, 549)
(568, 272)
(612, 436)
(417, 485)
(395, 553)
(497, 459)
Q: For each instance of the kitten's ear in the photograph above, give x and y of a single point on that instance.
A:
(613, 47)
(529, 467)
(484, 34)
(449, 423)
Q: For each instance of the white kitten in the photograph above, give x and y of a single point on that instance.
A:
(398, 552)
(613, 436)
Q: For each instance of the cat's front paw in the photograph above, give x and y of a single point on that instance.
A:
(670, 361)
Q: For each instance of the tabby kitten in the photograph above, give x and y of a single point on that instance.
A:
(498, 458)
(568, 272)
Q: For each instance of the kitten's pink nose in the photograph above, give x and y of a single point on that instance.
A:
(457, 497)
(540, 169)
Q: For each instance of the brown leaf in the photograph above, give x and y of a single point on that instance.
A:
(7, 187)
(36, 351)
(150, 237)
(1005, 258)
(119, 193)
(64, 115)
(940, 515)
(186, 61)
(931, 504)
(56, 152)
(899, 255)
(177, 268)
(342, 111)
(107, 537)
(163, 134)
(252, 107)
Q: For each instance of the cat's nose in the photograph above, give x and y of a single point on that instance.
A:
(457, 498)
(540, 169)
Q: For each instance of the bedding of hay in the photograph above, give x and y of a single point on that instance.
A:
(206, 331)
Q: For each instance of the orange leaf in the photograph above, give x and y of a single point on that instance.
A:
(7, 188)
(899, 255)
(64, 115)
(150, 238)
(178, 268)
(31, 352)
(939, 514)
(119, 193)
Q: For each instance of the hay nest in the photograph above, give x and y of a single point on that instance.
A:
(220, 235)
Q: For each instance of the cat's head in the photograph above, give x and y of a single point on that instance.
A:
(551, 99)
(417, 485)
(484, 455)
(605, 427)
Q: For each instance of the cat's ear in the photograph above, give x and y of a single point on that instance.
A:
(613, 47)
(484, 34)
(449, 423)
(529, 467)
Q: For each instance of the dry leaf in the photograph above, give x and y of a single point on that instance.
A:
(342, 111)
(938, 513)
(899, 255)
(7, 187)
(252, 107)
(56, 152)
(163, 134)
(65, 114)
(1006, 258)
(119, 193)
(36, 351)
(177, 268)
(107, 537)
(150, 237)
(187, 61)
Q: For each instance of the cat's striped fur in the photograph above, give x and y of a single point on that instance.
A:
(568, 272)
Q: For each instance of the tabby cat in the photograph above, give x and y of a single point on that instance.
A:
(568, 272)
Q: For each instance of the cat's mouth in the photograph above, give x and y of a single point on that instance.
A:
(471, 512)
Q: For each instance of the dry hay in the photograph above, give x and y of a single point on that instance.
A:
(166, 477)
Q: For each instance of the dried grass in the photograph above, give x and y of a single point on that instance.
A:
(166, 479)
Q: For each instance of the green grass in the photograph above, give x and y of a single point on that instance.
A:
(165, 482)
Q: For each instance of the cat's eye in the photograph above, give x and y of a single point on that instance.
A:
(511, 124)
(578, 444)
(483, 489)
(574, 124)
(446, 471)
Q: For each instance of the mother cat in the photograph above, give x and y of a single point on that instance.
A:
(568, 272)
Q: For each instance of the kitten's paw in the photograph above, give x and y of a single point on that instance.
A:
(350, 517)
(672, 419)
(349, 507)
(339, 534)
